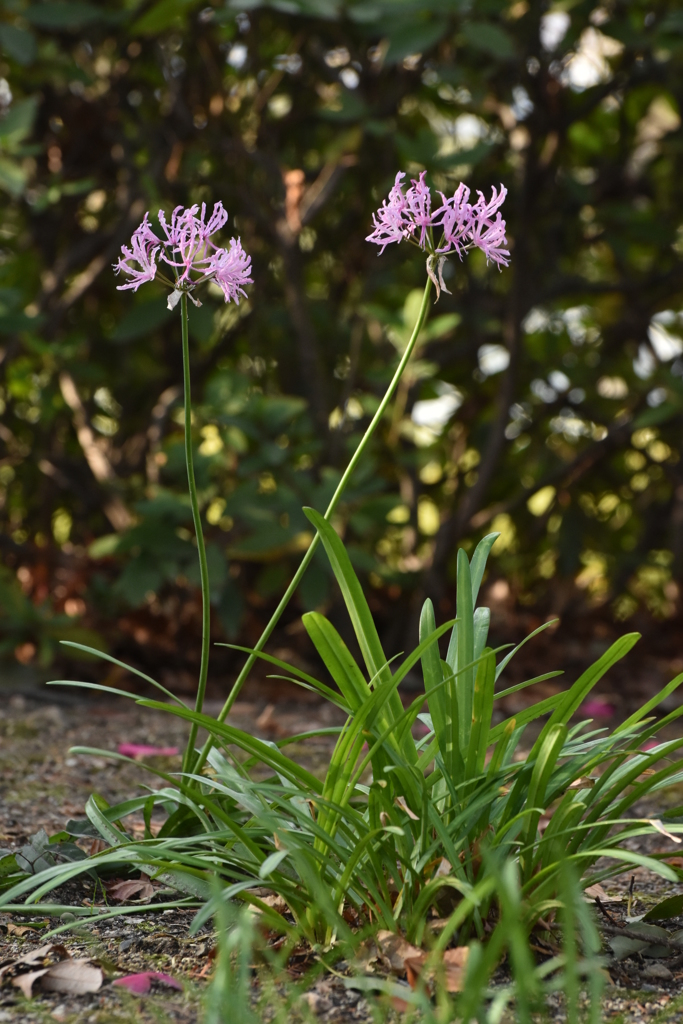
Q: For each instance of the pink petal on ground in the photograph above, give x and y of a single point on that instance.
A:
(140, 984)
(650, 744)
(596, 709)
(143, 750)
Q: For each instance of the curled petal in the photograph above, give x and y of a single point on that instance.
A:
(231, 269)
(456, 219)
(488, 233)
(463, 224)
(391, 222)
(217, 220)
(185, 244)
(419, 206)
(142, 255)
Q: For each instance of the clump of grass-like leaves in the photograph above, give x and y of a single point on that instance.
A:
(398, 831)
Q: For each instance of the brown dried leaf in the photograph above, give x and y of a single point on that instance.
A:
(367, 956)
(276, 903)
(455, 964)
(413, 966)
(596, 892)
(451, 970)
(74, 977)
(122, 890)
(25, 981)
(656, 823)
(18, 929)
(444, 869)
(396, 949)
(267, 722)
(34, 955)
(585, 782)
(400, 801)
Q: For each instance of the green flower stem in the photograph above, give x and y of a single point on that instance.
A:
(341, 486)
(201, 547)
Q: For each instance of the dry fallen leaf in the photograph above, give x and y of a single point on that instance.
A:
(413, 967)
(18, 929)
(122, 890)
(596, 892)
(25, 981)
(267, 722)
(585, 782)
(403, 956)
(400, 801)
(275, 902)
(73, 977)
(656, 823)
(444, 869)
(455, 964)
(395, 949)
(33, 957)
(451, 970)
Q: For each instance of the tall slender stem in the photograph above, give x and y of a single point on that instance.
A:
(341, 486)
(201, 547)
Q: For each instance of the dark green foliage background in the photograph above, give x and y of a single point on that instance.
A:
(120, 107)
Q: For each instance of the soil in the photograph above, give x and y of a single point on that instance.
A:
(44, 783)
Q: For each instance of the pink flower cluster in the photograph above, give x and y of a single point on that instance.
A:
(463, 224)
(188, 249)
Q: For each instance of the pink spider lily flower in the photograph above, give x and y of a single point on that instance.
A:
(188, 238)
(464, 225)
(489, 234)
(419, 207)
(456, 220)
(141, 253)
(230, 269)
(217, 220)
(391, 222)
(186, 245)
(146, 235)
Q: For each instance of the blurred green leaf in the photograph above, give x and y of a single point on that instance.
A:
(141, 320)
(18, 122)
(489, 38)
(18, 44)
(59, 16)
(414, 37)
(163, 15)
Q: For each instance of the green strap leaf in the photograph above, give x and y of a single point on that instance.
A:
(482, 711)
(479, 560)
(433, 674)
(482, 621)
(574, 697)
(535, 796)
(268, 755)
(107, 830)
(338, 659)
(352, 592)
(461, 653)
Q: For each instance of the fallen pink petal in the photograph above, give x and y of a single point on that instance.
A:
(138, 750)
(597, 709)
(141, 984)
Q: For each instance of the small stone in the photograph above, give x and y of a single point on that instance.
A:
(658, 971)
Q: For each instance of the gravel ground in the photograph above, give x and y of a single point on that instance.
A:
(42, 784)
